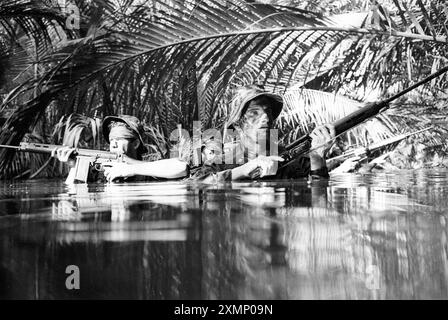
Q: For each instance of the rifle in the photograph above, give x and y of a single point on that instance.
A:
(85, 158)
(303, 145)
(365, 151)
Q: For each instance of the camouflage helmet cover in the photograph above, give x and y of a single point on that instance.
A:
(245, 94)
(132, 122)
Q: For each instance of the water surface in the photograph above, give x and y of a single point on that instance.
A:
(376, 236)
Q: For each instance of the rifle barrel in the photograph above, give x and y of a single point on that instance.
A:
(362, 114)
(10, 147)
(418, 84)
(369, 111)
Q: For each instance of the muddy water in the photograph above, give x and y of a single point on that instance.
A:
(378, 236)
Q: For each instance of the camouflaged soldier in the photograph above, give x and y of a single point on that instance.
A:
(250, 147)
(124, 133)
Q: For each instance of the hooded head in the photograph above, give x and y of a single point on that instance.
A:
(124, 127)
(245, 95)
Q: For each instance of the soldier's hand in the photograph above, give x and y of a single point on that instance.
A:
(116, 170)
(64, 154)
(322, 139)
(348, 165)
(262, 166)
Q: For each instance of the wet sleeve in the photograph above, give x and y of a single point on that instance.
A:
(296, 169)
(301, 168)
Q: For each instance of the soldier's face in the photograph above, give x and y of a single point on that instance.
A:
(258, 115)
(120, 145)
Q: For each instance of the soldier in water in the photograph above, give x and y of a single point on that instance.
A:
(252, 117)
(124, 135)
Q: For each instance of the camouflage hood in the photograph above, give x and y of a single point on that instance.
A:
(132, 122)
(244, 95)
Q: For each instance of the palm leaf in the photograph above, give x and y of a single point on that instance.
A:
(306, 108)
(32, 17)
(139, 57)
(28, 29)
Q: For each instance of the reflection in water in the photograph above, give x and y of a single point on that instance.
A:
(379, 236)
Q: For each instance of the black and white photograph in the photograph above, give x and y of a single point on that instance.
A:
(240, 152)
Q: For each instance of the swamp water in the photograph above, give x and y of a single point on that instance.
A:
(376, 236)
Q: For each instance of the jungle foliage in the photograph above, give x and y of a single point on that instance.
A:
(172, 62)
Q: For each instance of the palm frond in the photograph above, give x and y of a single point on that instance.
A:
(118, 52)
(28, 30)
(306, 108)
(30, 16)
(139, 56)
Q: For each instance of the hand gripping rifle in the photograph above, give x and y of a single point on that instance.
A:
(85, 158)
(303, 145)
